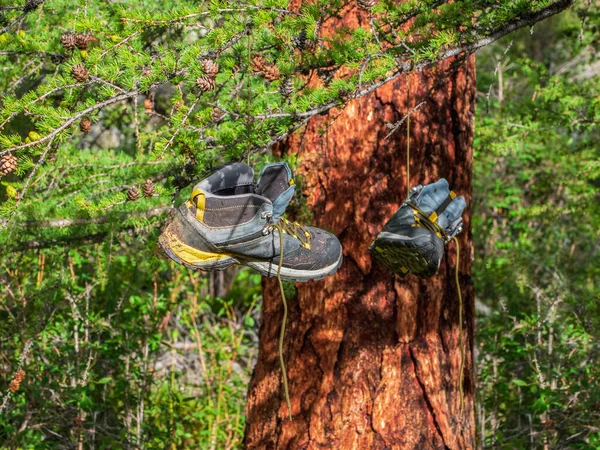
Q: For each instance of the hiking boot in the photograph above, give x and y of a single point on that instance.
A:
(231, 220)
(413, 239)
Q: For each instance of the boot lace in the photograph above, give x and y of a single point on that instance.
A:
(295, 230)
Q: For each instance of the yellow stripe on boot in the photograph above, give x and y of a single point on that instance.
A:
(189, 254)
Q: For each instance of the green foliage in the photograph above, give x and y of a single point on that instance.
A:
(536, 221)
(138, 76)
(123, 349)
(538, 381)
(138, 351)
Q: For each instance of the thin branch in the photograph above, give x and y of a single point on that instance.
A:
(397, 125)
(11, 24)
(118, 44)
(15, 84)
(72, 120)
(170, 142)
(42, 97)
(32, 174)
(108, 83)
(407, 66)
(31, 52)
(64, 223)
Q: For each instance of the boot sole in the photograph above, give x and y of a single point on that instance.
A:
(207, 262)
(269, 269)
(401, 254)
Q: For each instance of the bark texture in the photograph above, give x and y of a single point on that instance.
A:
(373, 360)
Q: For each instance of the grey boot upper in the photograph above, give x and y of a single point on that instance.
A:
(413, 239)
(228, 214)
(432, 196)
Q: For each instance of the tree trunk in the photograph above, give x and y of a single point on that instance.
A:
(374, 360)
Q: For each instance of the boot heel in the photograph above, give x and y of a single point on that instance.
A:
(193, 258)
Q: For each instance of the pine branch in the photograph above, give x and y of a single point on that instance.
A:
(31, 175)
(71, 120)
(64, 223)
(13, 23)
(26, 10)
(43, 97)
(408, 66)
(500, 32)
(269, 124)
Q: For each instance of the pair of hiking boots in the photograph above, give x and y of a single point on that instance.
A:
(229, 219)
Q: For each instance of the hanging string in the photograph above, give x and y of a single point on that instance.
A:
(408, 137)
(460, 330)
(249, 123)
(283, 299)
(283, 322)
(435, 228)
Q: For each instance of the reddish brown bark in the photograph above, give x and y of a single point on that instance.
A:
(373, 360)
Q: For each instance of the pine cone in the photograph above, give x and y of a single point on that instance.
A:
(20, 375)
(367, 5)
(205, 83)
(299, 41)
(217, 115)
(58, 58)
(77, 422)
(11, 192)
(8, 164)
(344, 95)
(82, 40)
(148, 189)
(210, 67)
(14, 386)
(326, 74)
(269, 70)
(80, 73)
(31, 5)
(133, 194)
(68, 41)
(287, 87)
(258, 63)
(85, 125)
(272, 73)
(148, 105)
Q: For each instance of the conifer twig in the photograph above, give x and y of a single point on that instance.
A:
(43, 97)
(170, 142)
(64, 223)
(11, 24)
(72, 120)
(30, 177)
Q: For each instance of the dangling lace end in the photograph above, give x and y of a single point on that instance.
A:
(460, 329)
(283, 323)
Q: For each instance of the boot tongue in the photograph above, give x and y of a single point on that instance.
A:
(432, 196)
(233, 179)
(276, 183)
